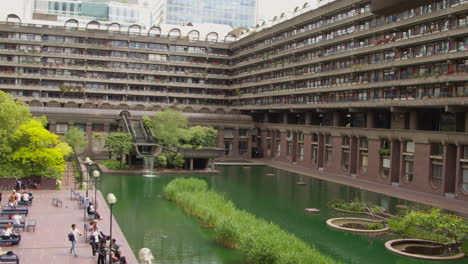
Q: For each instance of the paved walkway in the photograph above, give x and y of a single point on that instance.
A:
(49, 243)
(411, 195)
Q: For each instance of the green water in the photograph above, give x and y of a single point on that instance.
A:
(174, 237)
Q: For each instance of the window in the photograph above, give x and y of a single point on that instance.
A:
(98, 127)
(243, 132)
(301, 152)
(227, 148)
(278, 149)
(345, 159)
(228, 133)
(62, 128)
(465, 179)
(409, 148)
(385, 167)
(364, 163)
(408, 164)
(243, 147)
(363, 154)
(465, 152)
(437, 152)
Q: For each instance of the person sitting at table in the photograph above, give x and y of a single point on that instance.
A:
(25, 197)
(16, 219)
(91, 210)
(12, 199)
(116, 256)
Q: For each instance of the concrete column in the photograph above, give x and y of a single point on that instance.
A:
(220, 139)
(248, 155)
(52, 127)
(285, 117)
(235, 143)
(321, 150)
(264, 143)
(307, 149)
(370, 120)
(212, 164)
(284, 146)
(89, 133)
(353, 156)
(414, 120)
(337, 119)
(294, 147)
(308, 118)
(191, 164)
(266, 117)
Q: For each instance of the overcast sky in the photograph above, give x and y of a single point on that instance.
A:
(267, 9)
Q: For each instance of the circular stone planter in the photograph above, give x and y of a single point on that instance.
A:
(351, 224)
(422, 249)
(363, 213)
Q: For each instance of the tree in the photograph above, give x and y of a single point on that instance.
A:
(169, 127)
(37, 152)
(77, 139)
(177, 160)
(12, 115)
(119, 143)
(161, 161)
(201, 136)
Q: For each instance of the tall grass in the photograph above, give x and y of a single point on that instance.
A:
(261, 242)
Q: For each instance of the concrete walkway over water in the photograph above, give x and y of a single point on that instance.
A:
(49, 243)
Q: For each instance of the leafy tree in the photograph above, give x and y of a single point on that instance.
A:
(178, 161)
(12, 115)
(201, 136)
(65, 149)
(161, 161)
(77, 139)
(169, 127)
(36, 150)
(119, 143)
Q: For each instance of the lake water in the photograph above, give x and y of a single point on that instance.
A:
(272, 194)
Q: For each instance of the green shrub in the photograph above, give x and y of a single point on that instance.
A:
(261, 242)
(431, 225)
(114, 165)
(355, 206)
(375, 226)
(161, 161)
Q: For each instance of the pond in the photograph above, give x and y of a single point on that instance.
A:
(272, 194)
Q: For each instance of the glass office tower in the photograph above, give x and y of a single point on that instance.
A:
(237, 13)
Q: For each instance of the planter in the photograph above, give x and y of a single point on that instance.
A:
(356, 225)
(423, 249)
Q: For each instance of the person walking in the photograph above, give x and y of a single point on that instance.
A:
(72, 236)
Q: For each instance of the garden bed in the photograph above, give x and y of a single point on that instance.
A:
(358, 225)
(423, 249)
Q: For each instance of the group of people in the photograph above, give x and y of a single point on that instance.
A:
(15, 197)
(99, 246)
(8, 232)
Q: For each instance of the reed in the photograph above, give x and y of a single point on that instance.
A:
(260, 241)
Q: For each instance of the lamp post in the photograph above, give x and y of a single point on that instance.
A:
(111, 199)
(96, 175)
(88, 162)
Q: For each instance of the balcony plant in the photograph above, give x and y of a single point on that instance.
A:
(384, 152)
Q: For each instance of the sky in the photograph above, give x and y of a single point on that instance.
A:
(267, 9)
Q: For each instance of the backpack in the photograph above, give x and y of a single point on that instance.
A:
(71, 237)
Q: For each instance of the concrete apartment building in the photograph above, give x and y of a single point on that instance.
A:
(356, 87)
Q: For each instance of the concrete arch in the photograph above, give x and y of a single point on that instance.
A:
(70, 104)
(71, 21)
(94, 25)
(114, 27)
(205, 110)
(88, 105)
(14, 17)
(189, 109)
(139, 107)
(174, 33)
(194, 35)
(123, 107)
(154, 31)
(175, 108)
(133, 29)
(53, 104)
(36, 103)
(230, 38)
(106, 106)
(234, 112)
(219, 111)
(212, 36)
(156, 108)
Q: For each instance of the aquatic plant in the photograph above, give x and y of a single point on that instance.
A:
(260, 241)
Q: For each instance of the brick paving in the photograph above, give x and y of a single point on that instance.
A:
(49, 243)
(454, 205)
